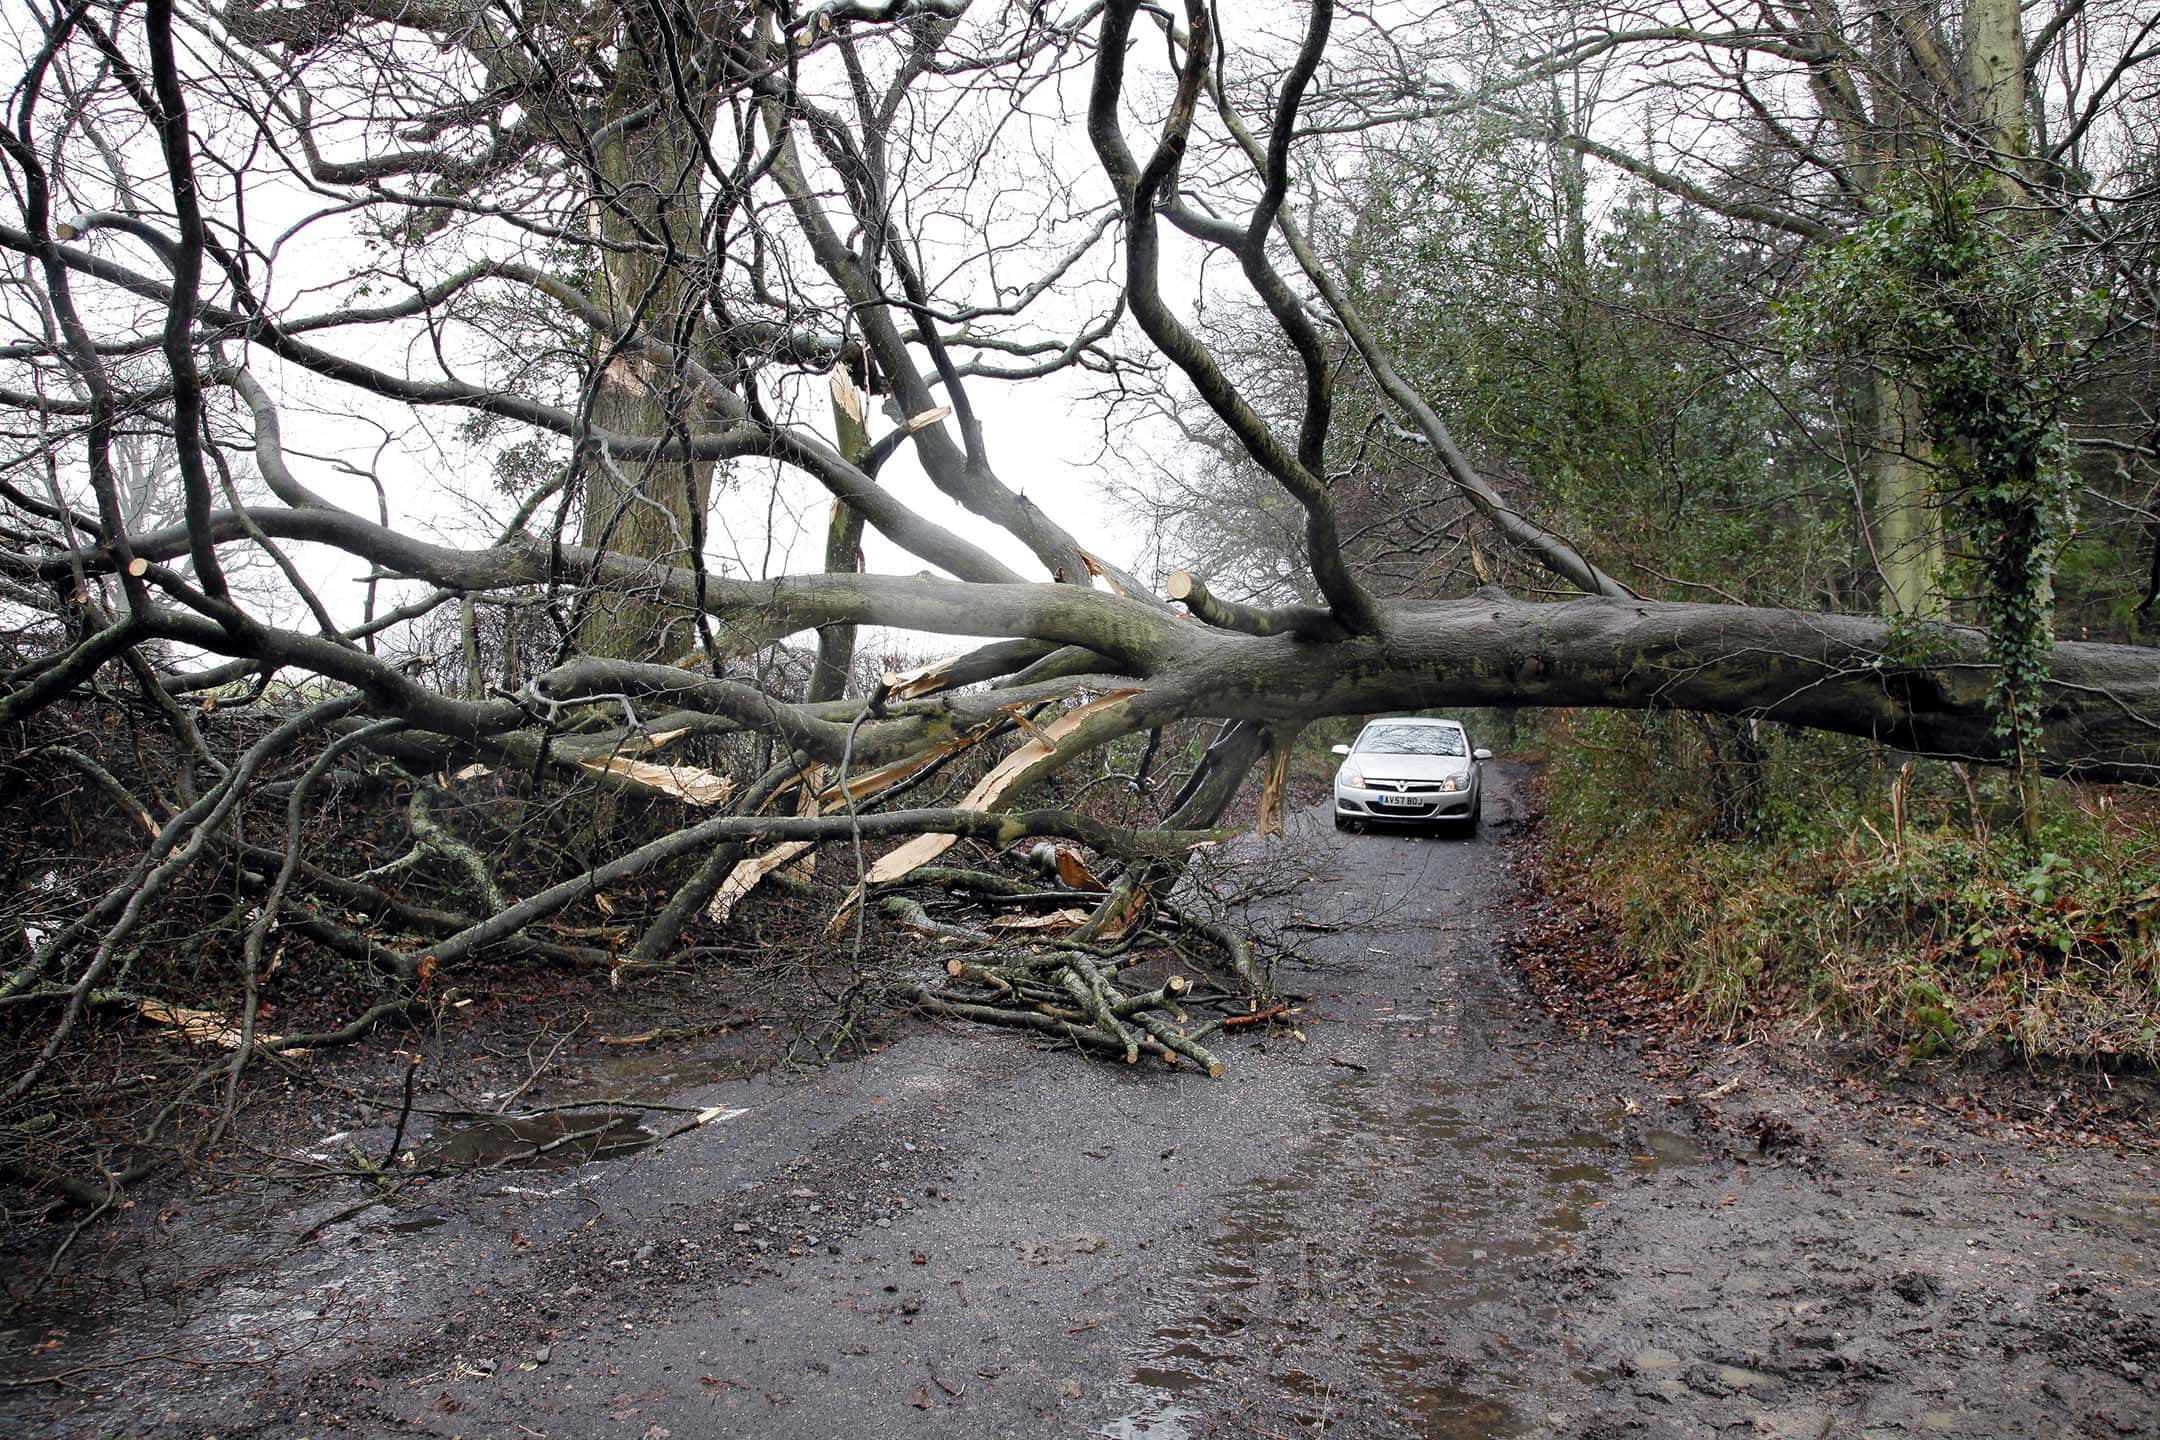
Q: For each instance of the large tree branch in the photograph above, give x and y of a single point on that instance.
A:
(963, 474)
(1553, 551)
(1840, 673)
(1145, 190)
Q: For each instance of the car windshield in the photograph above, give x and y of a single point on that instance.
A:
(1412, 740)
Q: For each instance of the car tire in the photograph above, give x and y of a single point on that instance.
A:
(1342, 821)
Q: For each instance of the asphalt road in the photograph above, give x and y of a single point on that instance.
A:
(1434, 1215)
(1012, 1242)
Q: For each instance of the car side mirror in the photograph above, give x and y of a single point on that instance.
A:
(1481, 754)
(1340, 749)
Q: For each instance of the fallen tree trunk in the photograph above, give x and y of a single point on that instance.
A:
(1921, 689)
(1841, 673)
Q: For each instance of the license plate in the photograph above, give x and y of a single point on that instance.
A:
(1399, 802)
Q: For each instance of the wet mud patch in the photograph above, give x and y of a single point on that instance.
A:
(1379, 1284)
(558, 1140)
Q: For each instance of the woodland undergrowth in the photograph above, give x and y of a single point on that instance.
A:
(1780, 880)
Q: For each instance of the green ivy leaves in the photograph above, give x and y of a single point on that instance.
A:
(1949, 299)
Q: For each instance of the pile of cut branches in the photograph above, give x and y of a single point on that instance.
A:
(1073, 997)
(1113, 990)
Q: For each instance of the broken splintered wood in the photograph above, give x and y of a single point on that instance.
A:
(202, 1027)
(1061, 863)
(745, 877)
(688, 783)
(1022, 765)
(868, 783)
(1119, 911)
(1098, 571)
(961, 970)
(1272, 786)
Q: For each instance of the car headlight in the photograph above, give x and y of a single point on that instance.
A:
(1351, 777)
(1451, 784)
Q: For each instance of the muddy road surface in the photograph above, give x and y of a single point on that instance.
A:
(1434, 1215)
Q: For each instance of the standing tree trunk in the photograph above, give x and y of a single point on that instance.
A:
(1908, 519)
(647, 212)
(1994, 83)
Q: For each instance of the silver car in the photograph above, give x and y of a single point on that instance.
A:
(1409, 772)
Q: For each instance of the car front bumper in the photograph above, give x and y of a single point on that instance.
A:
(1388, 805)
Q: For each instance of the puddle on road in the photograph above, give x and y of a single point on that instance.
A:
(329, 1293)
(1167, 1422)
(1260, 1300)
(662, 1070)
(417, 1224)
(557, 1141)
(1665, 1150)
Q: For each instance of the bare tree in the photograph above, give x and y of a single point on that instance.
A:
(654, 252)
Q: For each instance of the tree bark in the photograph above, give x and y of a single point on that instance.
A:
(1921, 690)
(1829, 672)
(1995, 94)
(647, 210)
(1908, 516)
(843, 539)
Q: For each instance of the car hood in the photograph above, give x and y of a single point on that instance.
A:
(1410, 767)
